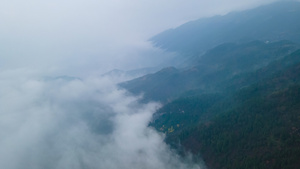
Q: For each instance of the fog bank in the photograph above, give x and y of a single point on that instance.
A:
(77, 123)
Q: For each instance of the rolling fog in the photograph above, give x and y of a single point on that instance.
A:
(50, 121)
(74, 123)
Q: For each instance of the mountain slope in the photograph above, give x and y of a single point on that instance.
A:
(237, 102)
(278, 21)
(208, 71)
(257, 126)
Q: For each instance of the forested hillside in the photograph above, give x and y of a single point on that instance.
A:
(253, 127)
(210, 70)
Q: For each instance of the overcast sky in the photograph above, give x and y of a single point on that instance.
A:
(92, 36)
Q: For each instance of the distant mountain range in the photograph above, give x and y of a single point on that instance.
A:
(131, 73)
(236, 102)
(275, 22)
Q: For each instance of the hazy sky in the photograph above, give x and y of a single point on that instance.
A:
(93, 36)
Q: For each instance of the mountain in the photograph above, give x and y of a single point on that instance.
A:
(278, 75)
(131, 73)
(269, 23)
(236, 102)
(208, 71)
(256, 126)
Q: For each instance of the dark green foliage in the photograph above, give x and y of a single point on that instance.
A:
(260, 131)
(185, 112)
(257, 126)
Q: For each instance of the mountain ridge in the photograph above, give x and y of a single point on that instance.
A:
(209, 69)
(265, 23)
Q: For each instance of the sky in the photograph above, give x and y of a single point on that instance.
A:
(48, 120)
(81, 37)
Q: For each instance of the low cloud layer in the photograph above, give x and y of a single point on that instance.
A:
(58, 123)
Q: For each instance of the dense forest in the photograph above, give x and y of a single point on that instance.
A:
(257, 126)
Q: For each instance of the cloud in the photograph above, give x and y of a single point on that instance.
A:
(77, 123)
